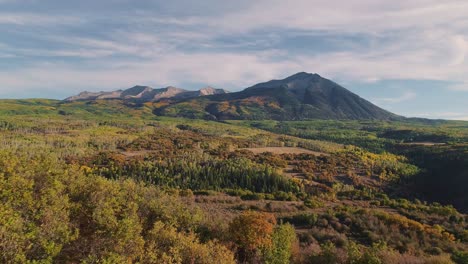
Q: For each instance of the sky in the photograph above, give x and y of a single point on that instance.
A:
(407, 56)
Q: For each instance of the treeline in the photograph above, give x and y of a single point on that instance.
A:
(198, 173)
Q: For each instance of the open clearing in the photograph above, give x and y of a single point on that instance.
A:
(285, 150)
(130, 154)
(424, 143)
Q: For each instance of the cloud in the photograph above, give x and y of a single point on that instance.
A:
(6, 55)
(32, 19)
(458, 50)
(225, 70)
(425, 39)
(459, 87)
(408, 95)
(236, 46)
(11, 1)
(351, 16)
(443, 115)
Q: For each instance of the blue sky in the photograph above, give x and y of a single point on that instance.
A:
(410, 57)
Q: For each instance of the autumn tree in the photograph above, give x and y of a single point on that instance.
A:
(252, 232)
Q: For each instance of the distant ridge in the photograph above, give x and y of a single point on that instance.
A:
(145, 94)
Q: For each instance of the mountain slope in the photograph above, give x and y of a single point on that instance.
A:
(298, 97)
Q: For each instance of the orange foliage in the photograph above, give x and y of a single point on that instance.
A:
(252, 230)
(225, 106)
(260, 100)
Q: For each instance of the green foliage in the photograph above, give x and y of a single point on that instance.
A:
(203, 173)
(328, 254)
(35, 209)
(283, 239)
(460, 257)
(313, 203)
(303, 219)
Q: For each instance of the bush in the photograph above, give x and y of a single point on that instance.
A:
(253, 196)
(313, 203)
(460, 257)
(284, 196)
(283, 239)
(302, 219)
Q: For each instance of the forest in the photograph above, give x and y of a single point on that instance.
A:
(104, 182)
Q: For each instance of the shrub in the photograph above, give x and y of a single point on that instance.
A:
(313, 203)
(304, 219)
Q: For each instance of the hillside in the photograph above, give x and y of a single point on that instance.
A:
(299, 97)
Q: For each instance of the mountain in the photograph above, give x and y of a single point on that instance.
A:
(301, 96)
(145, 94)
(298, 97)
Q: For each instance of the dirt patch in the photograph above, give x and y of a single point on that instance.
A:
(285, 150)
(424, 143)
(130, 154)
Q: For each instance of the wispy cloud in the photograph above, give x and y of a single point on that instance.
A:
(223, 70)
(412, 46)
(31, 19)
(409, 95)
(442, 115)
(459, 87)
(359, 16)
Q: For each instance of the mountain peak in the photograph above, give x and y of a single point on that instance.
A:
(137, 92)
(210, 91)
(302, 75)
(298, 80)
